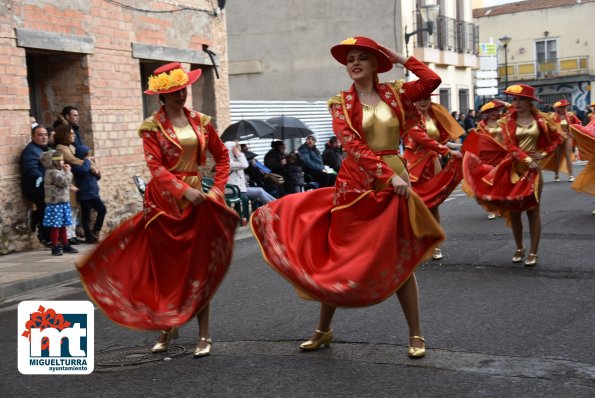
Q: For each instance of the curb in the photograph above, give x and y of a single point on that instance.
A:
(24, 286)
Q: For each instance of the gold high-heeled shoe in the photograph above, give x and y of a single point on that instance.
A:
(203, 352)
(518, 255)
(167, 336)
(324, 340)
(417, 352)
(437, 254)
(531, 260)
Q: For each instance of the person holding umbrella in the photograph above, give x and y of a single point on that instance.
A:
(358, 243)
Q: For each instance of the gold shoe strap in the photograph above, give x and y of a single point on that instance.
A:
(321, 332)
(418, 337)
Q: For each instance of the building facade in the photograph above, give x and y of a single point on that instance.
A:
(97, 55)
(279, 52)
(550, 47)
(451, 49)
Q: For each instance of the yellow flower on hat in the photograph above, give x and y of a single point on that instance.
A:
(516, 89)
(351, 40)
(164, 81)
(153, 84)
(178, 77)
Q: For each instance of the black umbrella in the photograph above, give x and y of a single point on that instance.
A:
(289, 127)
(247, 129)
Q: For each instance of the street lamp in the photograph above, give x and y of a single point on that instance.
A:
(428, 13)
(504, 40)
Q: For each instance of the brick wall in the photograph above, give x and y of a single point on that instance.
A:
(104, 85)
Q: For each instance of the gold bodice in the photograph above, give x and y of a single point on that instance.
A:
(381, 128)
(527, 136)
(432, 129)
(188, 162)
(564, 124)
(495, 133)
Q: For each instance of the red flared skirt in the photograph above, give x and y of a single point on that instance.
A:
(434, 189)
(508, 186)
(160, 275)
(347, 256)
(585, 139)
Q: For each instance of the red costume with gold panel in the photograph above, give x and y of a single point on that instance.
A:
(424, 144)
(510, 185)
(357, 243)
(585, 140)
(162, 266)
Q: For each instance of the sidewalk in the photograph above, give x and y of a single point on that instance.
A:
(23, 272)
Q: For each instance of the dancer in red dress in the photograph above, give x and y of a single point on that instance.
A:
(515, 184)
(161, 267)
(425, 144)
(585, 140)
(486, 140)
(564, 120)
(358, 243)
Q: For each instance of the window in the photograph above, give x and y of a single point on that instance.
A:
(546, 50)
(546, 54)
(445, 97)
(464, 100)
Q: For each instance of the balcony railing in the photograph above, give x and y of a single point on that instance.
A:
(449, 35)
(570, 66)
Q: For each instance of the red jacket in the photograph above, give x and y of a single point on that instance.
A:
(362, 169)
(162, 153)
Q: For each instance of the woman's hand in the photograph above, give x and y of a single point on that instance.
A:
(455, 154)
(400, 186)
(535, 155)
(394, 56)
(194, 196)
(533, 166)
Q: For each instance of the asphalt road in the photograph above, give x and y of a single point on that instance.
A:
(493, 328)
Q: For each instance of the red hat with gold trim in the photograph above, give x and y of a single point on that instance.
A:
(339, 52)
(493, 104)
(522, 90)
(171, 77)
(561, 103)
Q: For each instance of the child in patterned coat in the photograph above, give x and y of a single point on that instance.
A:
(57, 185)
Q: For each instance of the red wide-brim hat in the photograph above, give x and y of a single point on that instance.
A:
(170, 78)
(339, 52)
(561, 103)
(493, 104)
(522, 90)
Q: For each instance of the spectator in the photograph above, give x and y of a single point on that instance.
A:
(275, 158)
(239, 163)
(64, 139)
(457, 116)
(70, 116)
(57, 185)
(469, 122)
(295, 174)
(259, 175)
(313, 164)
(88, 195)
(32, 173)
(332, 155)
